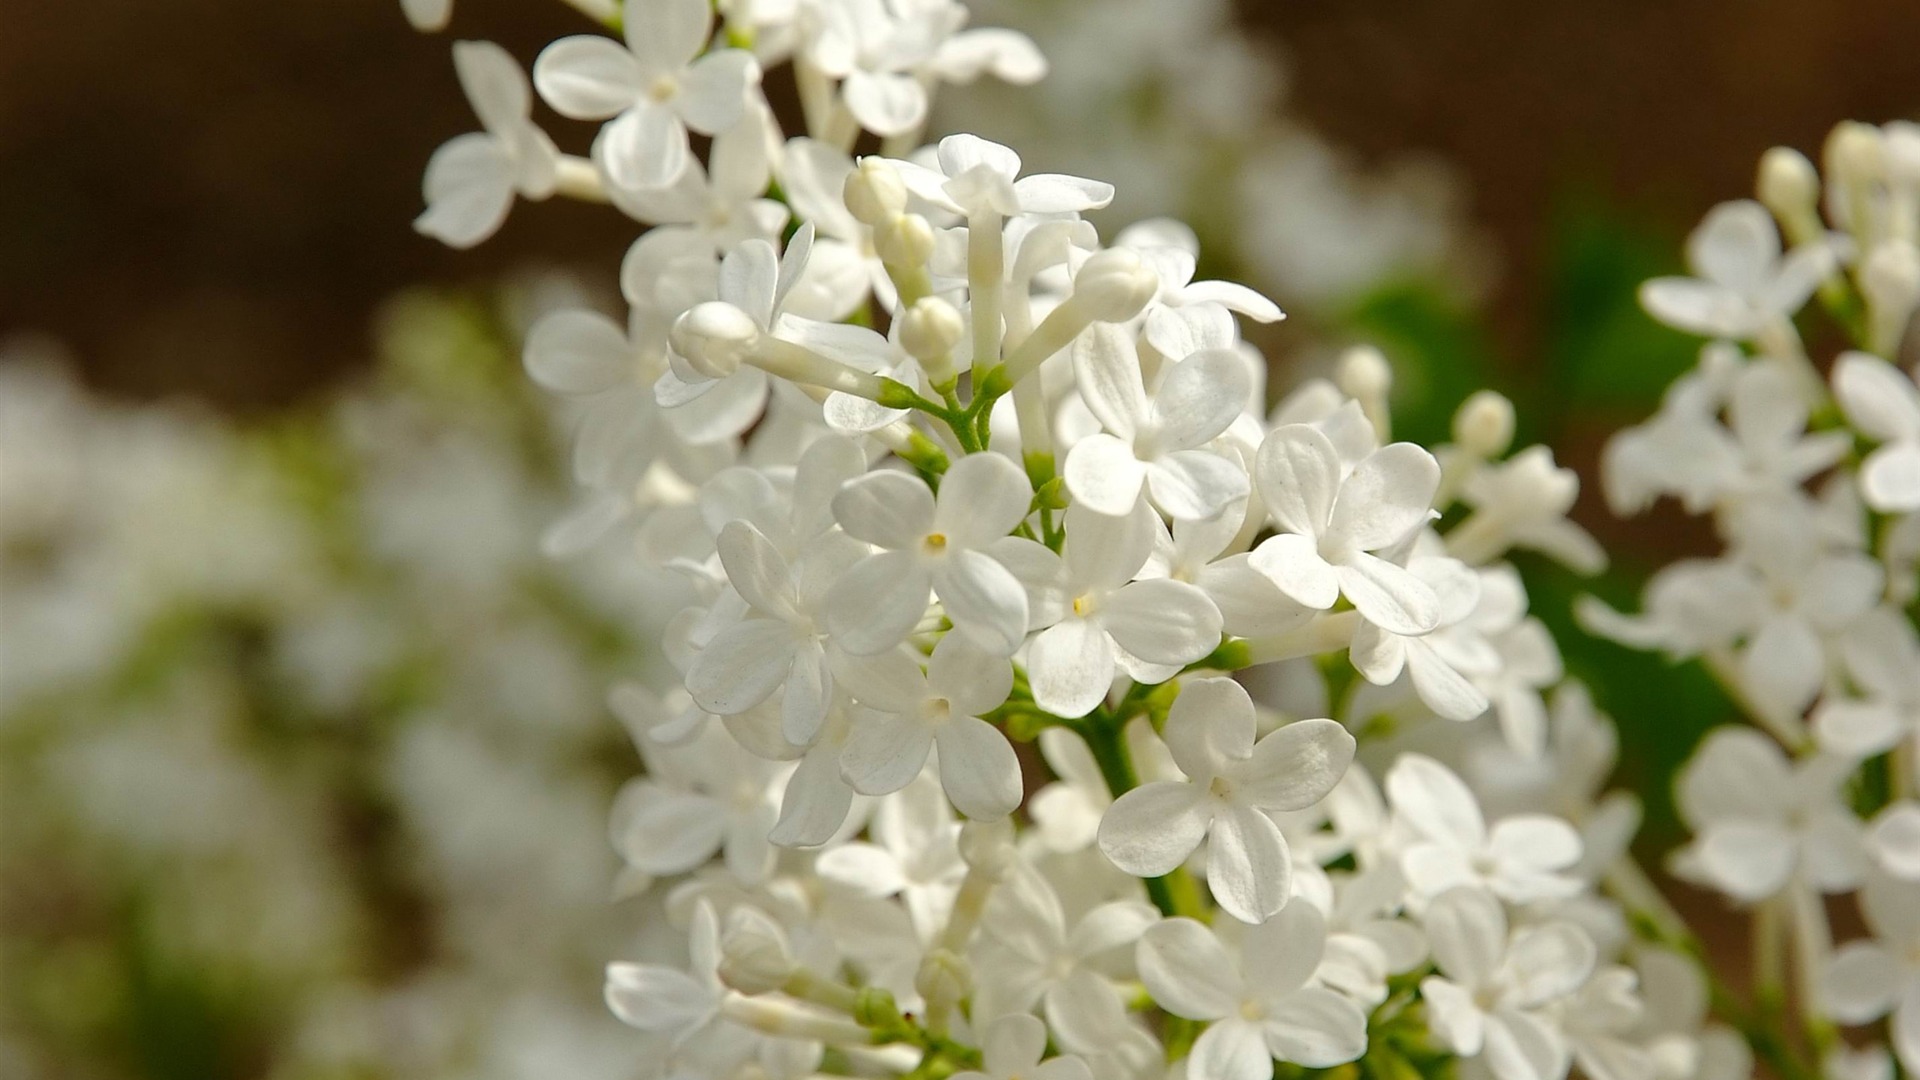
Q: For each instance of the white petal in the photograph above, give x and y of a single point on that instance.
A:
(1452, 1014)
(1890, 478)
(1008, 54)
(1442, 688)
(1229, 1050)
(1747, 860)
(468, 188)
(883, 756)
(1163, 621)
(1388, 495)
(742, 666)
(1248, 868)
(978, 768)
(665, 832)
(1536, 841)
(866, 868)
(1861, 983)
(1894, 840)
(667, 34)
(1070, 667)
(1435, 802)
(985, 601)
(1298, 473)
(1013, 1044)
(1467, 931)
(1877, 397)
(1784, 664)
(1697, 307)
(1199, 397)
(887, 508)
(1194, 485)
(1736, 245)
(1293, 563)
(1548, 962)
(983, 497)
(654, 998)
(493, 82)
(1520, 1047)
(1151, 830)
(1297, 765)
(427, 16)
(1102, 474)
(1234, 297)
(578, 352)
(756, 571)
(1107, 375)
(1187, 970)
(875, 605)
(644, 147)
(816, 802)
(1053, 193)
(713, 96)
(973, 681)
(885, 103)
(1387, 595)
(587, 78)
(1317, 1028)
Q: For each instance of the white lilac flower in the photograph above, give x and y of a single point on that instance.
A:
(654, 89)
(1879, 976)
(1232, 780)
(1335, 521)
(906, 713)
(1523, 858)
(1155, 441)
(1742, 284)
(471, 180)
(1095, 619)
(1259, 998)
(932, 543)
(1488, 1000)
(1761, 821)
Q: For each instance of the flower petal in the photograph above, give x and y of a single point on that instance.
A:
(1151, 830)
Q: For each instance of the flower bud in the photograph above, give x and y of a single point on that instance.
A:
(944, 979)
(1902, 143)
(904, 240)
(753, 953)
(1853, 153)
(929, 331)
(874, 192)
(1890, 278)
(1788, 184)
(714, 338)
(1114, 285)
(1484, 425)
(1364, 373)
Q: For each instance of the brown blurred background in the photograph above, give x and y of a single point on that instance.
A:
(210, 196)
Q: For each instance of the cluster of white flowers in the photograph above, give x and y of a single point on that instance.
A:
(301, 743)
(988, 531)
(1806, 617)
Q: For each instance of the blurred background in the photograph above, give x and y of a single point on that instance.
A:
(304, 757)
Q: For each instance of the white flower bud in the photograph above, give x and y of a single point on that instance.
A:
(754, 957)
(874, 192)
(1364, 373)
(987, 847)
(1890, 278)
(715, 338)
(1788, 184)
(1114, 285)
(1853, 154)
(905, 240)
(1484, 424)
(929, 331)
(1902, 143)
(944, 979)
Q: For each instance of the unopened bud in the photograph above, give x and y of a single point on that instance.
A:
(1890, 279)
(1484, 425)
(754, 957)
(1902, 144)
(874, 192)
(904, 240)
(715, 338)
(1853, 153)
(929, 331)
(944, 979)
(1788, 184)
(1364, 373)
(987, 847)
(1114, 285)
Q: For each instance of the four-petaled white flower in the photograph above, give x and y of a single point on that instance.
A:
(905, 713)
(472, 179)
(1334, 521)
(1523, 858)
(932, 543)
(1259, 998)
(654, 89)
(1155, 441)
(1487, 1002)
(1231, 782)
(1760, 820)
(1742, 284)
(1872, 978)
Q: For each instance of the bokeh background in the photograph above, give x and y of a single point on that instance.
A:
(206, 205)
